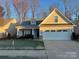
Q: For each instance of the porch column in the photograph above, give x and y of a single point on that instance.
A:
(32, 31)
(17, 32)
(23, 32)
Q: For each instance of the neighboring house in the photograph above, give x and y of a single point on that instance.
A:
(56, 27)
(12, 30)
(5, 25)
(29, 27)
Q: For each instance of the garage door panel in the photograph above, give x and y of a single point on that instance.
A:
(56, 35)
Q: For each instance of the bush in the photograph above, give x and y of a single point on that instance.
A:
(28, 36)
(73, 36)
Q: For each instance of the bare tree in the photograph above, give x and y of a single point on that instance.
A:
(68, 14)
(44, 13)
(1, 12)
(34, 7)
(72, 8)
(65, 2)
(75, 7)
(52, 7)
(7, 6)
(21, 7)
(69, 6)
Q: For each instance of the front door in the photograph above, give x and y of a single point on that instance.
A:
(36, 33)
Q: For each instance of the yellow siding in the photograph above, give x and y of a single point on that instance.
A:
(2, 31)
(19, 27)
(6, 26)
(50, 19)
(49, 23)
(60, 27)
(13, 21)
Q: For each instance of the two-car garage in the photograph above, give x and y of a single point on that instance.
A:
(56, 27)
(57, 35)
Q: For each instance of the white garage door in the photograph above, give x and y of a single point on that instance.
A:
(57, 35)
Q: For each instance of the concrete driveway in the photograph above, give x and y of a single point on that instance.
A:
(62, 49)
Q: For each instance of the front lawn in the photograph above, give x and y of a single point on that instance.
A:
(20, 57)
(21, 44)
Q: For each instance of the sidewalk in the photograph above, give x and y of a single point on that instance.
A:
(30, 53)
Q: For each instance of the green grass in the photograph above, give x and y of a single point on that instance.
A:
(19, 57)
(21, 44)
(28, 43)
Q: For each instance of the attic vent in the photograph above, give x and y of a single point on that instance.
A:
(55, 19)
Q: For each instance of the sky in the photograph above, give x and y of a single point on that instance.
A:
(44, 4)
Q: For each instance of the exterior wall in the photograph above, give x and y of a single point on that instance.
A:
(23, 32)
(20, 32)
(50, 19)
(19, 27)
(49, 22)
(12, 30)
(54, 27)
(56, 35)
(6, 24)
(3, 35)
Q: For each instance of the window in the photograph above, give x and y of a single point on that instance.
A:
(33, 22)
(38, 22)
(64, 30)
(47, 31)
(59, 30)
(25, 23)
(52, 30)
(56, 19)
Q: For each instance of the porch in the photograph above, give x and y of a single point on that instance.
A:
(28, 33)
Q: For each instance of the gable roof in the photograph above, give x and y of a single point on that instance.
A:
(27, 24)
(65, 19)
(5, 23)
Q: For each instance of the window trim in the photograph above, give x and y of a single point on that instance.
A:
(56, 19)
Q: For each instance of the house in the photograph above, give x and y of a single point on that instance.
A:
(56, 26)
(28, 27)
(5, 24)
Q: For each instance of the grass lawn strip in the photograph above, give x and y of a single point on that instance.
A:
(21, 44)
